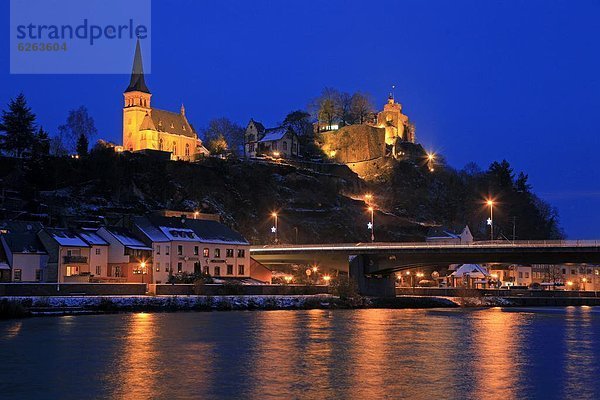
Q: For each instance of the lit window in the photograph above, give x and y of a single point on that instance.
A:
(157, 267)
(241, 253)
(38, 275)
(157, 249)
(168, 250)
(179, 267)
(17, 275)
(196, 250)
(217, 253)
(205, 252)
(229, 253)
(217, 271)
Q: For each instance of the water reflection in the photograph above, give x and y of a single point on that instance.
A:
(497, 339)
(353, 354)
(581, 355)
(136, 375)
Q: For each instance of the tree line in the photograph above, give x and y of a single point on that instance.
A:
(20, 135)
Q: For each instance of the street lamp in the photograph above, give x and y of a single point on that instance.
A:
(274, 229)
(583, 280)
(430, 161)
(490, 221)
(371, 225)
(287, 278)
(143, 269)
(368, 198)
(327, 278)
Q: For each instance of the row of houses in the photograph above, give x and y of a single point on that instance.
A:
(151, 250)
(550, 276)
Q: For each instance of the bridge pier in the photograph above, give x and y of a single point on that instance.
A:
(370, 284)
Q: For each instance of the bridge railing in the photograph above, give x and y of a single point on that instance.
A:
(431, 245)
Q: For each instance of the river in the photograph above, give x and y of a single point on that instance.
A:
(541, 353)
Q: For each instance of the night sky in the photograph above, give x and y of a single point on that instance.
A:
(482, 80)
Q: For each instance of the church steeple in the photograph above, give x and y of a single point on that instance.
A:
(137, 82)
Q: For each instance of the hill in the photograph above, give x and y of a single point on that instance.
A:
(315, 203)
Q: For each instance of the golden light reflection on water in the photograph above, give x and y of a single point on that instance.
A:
(497, 339)
(137, 374)
(12, 330)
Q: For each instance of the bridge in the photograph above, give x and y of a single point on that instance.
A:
(373, 263)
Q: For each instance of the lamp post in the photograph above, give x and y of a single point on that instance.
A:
(143, 269)
(274, 229)
(371, 225)
(491, 220)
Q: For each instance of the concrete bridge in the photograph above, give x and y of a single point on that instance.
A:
(373, 264)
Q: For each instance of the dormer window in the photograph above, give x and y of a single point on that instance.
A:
(172, 126)
(159, 123)
(183, 126)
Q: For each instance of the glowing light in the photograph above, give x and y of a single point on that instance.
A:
(276, 154)
(407, 272)
(569, 283)
(368, 196)
(332, 153)
(490, 202)
(327, 278)
(274, 215)
(370, 209)
(143, 264)
(315, 269)
(288, 278)
(431, 156)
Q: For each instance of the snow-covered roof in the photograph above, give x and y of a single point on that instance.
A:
(179, 234)
(274, 134)
(91, 238)
(66, 238)
(473, 270)
(165, 229)
(126, 238)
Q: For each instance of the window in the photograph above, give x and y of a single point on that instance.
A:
(564, 271)
(157, 249)
(187, 149)
(167, 267)
(526, 275)
(520, 275)
(38, 275)
(118, 271)
(179, 250)
(168, 250)
(241, 253)
(573, 272)
(205, 270)
(160, 143)
(229, 253)
(98, 251)
(179, 267)
(17, 275)
(285, 146)
(229, 269)
(217, 271)
(217, 253)
(196, 250)
(174, 147)
(240, 270)
(157, 267)
(205, 252)
(98, 270)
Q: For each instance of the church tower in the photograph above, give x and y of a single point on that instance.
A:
(137, 108)
(394, 122)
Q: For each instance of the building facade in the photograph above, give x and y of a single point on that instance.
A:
(280, 142)
(193, 246)
(148, 128)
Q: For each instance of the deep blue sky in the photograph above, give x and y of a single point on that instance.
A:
(482, 80)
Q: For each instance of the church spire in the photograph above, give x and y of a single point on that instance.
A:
(137, 82)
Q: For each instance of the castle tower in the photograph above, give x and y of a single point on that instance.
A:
(394, 122)
(137, 104)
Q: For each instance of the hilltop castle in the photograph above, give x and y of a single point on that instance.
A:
(148, 128)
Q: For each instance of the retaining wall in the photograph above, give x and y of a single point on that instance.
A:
(72, 289)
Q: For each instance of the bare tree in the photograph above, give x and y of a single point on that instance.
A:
(361, 108)
(79, 123)
(222, 134)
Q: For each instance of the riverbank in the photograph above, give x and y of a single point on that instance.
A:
(24, 306)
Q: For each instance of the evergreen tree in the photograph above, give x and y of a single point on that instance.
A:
(41, 146)
(82, 145)
(18, 127)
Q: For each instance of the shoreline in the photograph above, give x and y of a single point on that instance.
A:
(30, 306)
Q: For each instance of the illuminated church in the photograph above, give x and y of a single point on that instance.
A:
(148, 128)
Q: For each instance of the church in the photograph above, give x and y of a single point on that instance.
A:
(147, 128)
